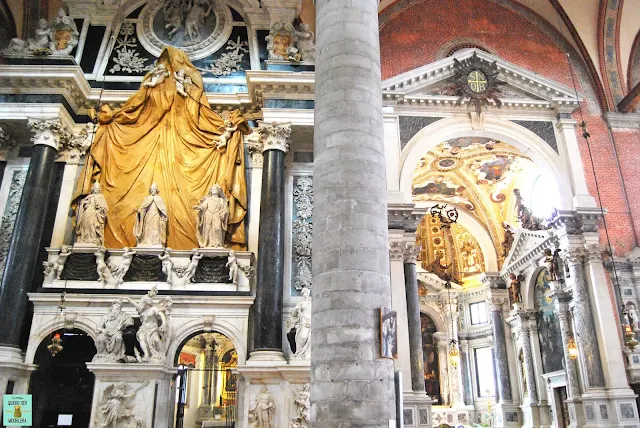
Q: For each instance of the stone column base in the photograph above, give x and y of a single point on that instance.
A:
(266, 358)
(535, 415)
(283, 381)
(154, 402)
(13, 369)
(417, 409)
(507, 415)
(610, 408)
(576, 412)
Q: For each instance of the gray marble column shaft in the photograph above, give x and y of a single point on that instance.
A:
(415, 332)
(585, 326)
(351, 386)
(465, 365)
(562, 310)
(500, 354)
(529, 369)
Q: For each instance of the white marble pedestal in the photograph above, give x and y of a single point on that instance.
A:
(153, 404)
(13, 369)
(507, 415)
(283, 381)
(417, 409)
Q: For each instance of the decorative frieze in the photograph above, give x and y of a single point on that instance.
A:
(302, 231)
(275, 136)
(10, 213)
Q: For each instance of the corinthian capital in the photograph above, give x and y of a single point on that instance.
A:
(396, 250)
(254, 145)
(411, 252)
(595, 252)
(76, 146)
(49, 133)
(275, 136)
(574, 255)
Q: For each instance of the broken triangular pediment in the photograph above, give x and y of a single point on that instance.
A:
(519, 88)
(524, 242)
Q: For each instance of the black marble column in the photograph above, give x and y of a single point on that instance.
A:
(25, 244)
(413, 317)
(267, 333)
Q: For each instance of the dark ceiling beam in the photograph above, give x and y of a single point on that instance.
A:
(631, 102)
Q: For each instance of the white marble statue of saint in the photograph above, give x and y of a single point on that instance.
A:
(264, 410)
(109, 343)
(153, 334)
(92, 216)
(300, 319)
(150, 228)
(213, 215)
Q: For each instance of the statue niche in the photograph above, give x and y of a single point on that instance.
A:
(160, 136)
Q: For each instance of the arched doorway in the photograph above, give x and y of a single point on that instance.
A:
(430, 355)
(62, 386)
(206, 388)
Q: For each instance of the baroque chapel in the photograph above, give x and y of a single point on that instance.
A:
(315, 213)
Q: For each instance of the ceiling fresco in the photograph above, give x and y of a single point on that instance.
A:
(478, 175)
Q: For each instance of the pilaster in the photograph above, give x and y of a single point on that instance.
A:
(397, 245)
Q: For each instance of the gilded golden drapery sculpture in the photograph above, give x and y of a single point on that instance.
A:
(173, 140)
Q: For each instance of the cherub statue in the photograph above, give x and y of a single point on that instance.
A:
(306, 44)
(181, 82)
(167, 265)
(158, 74)
(227, 131)
(65, 251)
(190, 272)
(125, 264)
(104, 273)
(232, 264)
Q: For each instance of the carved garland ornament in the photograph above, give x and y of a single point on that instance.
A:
(302, 232)
(127, 59)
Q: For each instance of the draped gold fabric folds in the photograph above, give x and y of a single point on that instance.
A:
(160, 136)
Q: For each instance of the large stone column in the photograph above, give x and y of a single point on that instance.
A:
(413, 317)
(27, 233)
(267, 315)
(561, 302)
(585, 326)
(351, 386)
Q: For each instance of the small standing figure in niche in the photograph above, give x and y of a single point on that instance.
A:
(264, 410)
(515, 295)
(167, 265)
(552, 263)
(158, 74)
(151, 220)
(125, 264)
(213, 215)
(232, 264)
(633, 317)
(92, 216)
(181, 82)
(300, 319)
(227, 131)
(190, 272)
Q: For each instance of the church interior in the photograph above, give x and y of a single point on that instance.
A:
(315, 213)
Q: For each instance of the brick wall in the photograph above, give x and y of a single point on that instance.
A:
(412, 38)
